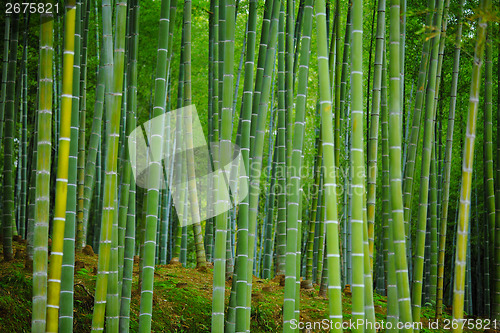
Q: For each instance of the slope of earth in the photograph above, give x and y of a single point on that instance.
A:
(182, 299)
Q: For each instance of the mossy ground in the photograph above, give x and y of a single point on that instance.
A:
(182, 300)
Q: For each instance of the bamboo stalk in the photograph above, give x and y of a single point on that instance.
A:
(331, 221)
(447, 169)
(395, 138)
(42, 204)
(468, 160)
(56, 257)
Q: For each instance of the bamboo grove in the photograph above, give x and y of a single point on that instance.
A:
(368, 132)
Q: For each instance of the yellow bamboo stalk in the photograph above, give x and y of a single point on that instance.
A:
(54, 281)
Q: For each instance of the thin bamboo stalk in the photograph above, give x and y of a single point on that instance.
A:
(447, 169)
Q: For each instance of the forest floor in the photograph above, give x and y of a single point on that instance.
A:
(182, 299)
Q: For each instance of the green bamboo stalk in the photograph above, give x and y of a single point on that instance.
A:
(5, 68)
(331, 220)
(433, 197)
(488, 149)
(128, 261)
(209, 227)
(24, 135)
(16, 171)
(321, 236)
(226, 69)
(389, 256)
(240, 279)
(292, 270)
(267, 241)
(193, 196)
(412, 146)
(8, 144)
(374, 127)
(357, 165)
(67, 269)
(256, 149)
(128, 251)
(447, 168)
(261, 62)
(90, 181)
(398, 231)
(80, 241)
(280, 145)
(336, 85)
(126, 181)
(97, 197)
(496, 274)
(289, 76)
(108, 257)
(314, 216)
(179, 146)
(56, 257)
(468, 160)
(428, 147)
(343, 77)
(113, 287)
(368, 280)
(32, 198)
(42, 204)
(154, 176)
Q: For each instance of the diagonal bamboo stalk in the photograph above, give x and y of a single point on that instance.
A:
(468, 160)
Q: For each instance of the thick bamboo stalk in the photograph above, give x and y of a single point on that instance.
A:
(129, 246)
(67, 270)
(428, 147)
(281, 150)
(193, 195)
(8, 144)
(292, 270)
(56, 257)
(395, 168)
(242, 245)
(42, 201)
(108, 256)
(468, 159)
(256, 150)
(289, 76)
(327, 138)
(357, 166)
(154, 175)
(389, 256)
